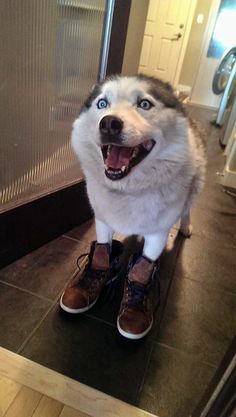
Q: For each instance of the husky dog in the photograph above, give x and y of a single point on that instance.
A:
(144, 163)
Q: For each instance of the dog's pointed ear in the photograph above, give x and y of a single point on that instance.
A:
(94, 92)
(96, 87)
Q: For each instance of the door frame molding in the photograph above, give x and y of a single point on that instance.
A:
(203, 52)
(191, 12)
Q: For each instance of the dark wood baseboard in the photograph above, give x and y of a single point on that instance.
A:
(26, 228)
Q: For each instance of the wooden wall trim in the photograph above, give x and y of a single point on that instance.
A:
(61, 388)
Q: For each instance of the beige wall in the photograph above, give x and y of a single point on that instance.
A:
(194, 44)
(134, 40)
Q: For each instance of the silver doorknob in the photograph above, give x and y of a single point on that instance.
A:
(177, 36)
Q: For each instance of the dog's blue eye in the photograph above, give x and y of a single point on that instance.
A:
(102, 103)
(145, 104)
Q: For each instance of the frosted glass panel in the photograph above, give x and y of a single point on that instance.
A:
(50, 53)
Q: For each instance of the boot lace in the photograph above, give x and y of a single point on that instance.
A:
(136, 294)
(90, 278)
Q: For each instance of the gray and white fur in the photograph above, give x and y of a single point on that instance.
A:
(155, 192)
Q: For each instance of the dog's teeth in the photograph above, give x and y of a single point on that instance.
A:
(135, 153)
(123, 168)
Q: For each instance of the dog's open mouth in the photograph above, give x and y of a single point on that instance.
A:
(119, 160)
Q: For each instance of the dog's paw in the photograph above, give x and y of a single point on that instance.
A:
(186, 230)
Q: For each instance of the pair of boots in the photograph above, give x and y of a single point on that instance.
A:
(141, 289)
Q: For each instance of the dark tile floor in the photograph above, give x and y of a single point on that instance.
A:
(167, 372)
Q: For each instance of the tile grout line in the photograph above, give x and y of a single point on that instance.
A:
(83, 399)
(100, 320)
(212, 239)
(54, 302)
(172, 272)
(202, 236)
(141, 385)
(211, 365)
(29, 337)
(202, 283)
(154, 342)
(21, 347)
(72, 238)
(26, 291)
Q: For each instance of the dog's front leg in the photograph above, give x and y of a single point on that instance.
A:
(142, 291)
(103, 231)
(87, 284)
(154, 245)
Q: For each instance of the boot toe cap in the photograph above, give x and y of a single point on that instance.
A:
(74, 300)
(134, 324)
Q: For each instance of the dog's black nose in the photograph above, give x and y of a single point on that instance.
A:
(110, 126)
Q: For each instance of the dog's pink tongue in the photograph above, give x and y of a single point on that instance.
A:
(118, 157)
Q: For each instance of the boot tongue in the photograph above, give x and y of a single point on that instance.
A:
(118, 157)
(100, 260)
(141, 271)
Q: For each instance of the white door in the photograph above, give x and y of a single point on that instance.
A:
(163, 37)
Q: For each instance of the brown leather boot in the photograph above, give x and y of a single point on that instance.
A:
(100, 269)
(140, 298)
